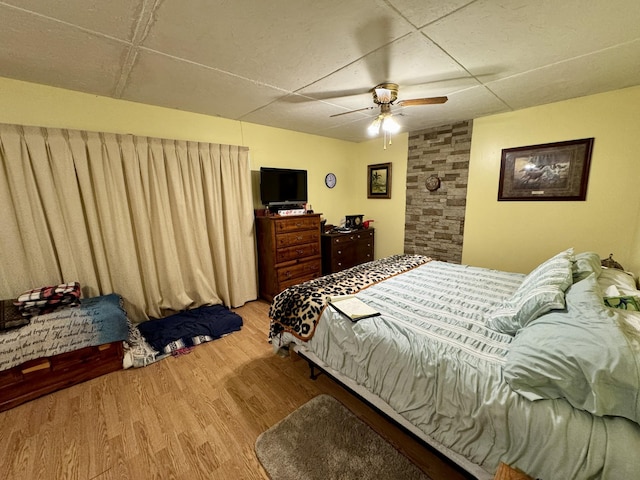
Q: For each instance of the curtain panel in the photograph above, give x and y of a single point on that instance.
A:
(167, 224)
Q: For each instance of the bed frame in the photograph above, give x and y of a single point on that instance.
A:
(504, 472)
(38, 377)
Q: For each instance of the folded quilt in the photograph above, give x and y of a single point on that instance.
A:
(46, 299)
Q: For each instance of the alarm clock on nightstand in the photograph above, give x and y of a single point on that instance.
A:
(353, 221)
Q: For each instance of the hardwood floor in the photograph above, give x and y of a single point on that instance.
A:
(195, 416)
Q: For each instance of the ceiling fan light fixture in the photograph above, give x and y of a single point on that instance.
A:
(390, 125)
(374, 128)
(383, 95)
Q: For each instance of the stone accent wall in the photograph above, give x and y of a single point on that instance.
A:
(434, 221)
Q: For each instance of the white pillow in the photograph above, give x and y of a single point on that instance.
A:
(541, 291)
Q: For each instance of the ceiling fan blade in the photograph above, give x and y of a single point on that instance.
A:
(351, 111)
(422, 101)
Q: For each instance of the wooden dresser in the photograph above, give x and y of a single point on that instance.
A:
(344, 250)
(288, 252)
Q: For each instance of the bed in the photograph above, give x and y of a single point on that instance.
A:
(67, 346)
(488, 367)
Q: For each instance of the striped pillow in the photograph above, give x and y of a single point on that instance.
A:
(541, 291)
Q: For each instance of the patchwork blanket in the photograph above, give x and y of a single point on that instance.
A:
(47, 299)
(297, 309)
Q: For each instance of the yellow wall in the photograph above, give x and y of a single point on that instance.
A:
(31, 104)
(388, 214)
(516, 236)
(507, 235)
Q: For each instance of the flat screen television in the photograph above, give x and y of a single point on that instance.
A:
(282, 186)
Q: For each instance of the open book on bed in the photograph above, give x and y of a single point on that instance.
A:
(351, 307)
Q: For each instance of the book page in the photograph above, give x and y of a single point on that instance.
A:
(352, 307)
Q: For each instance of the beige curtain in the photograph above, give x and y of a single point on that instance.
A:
(167, 224)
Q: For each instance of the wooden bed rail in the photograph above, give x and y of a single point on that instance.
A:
(505, 472)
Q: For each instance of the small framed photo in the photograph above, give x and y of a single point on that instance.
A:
(551, 171)
(379, 180)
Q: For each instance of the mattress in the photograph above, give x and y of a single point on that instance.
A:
(431, 357)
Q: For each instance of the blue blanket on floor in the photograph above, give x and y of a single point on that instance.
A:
(189, 328)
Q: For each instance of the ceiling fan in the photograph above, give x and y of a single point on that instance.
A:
(384, 96)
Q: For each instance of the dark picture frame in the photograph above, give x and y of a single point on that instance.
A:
(379, 180)
(550, 171)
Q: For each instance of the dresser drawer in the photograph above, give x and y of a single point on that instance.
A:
(293, 224)
(342, 239)
(366, 235)
(297, 238)
(298, 273)
(297, 252)
(340, 251)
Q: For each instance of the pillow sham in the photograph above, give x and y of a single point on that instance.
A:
(580, 354)
(623, 302)
(584, 264)
(623, 281)
(542, 290)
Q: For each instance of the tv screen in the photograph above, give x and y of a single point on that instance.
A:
(281, 186)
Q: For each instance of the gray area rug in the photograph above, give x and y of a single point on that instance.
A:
(324, 440)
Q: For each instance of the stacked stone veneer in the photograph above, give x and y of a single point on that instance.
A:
(434, 221)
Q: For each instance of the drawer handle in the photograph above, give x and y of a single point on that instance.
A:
(299, 237)
(339, 252)
(300, 252)
(287, 274)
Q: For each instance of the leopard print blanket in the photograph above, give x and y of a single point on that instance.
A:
(297, 309)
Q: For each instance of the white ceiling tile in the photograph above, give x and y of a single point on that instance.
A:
(414, 63)
(423, 12)
(513, 36)
(160, 80)
(309, 117)
(38, 50)
(115, 18)
(463, 105)
(288, 44)
(607, 70)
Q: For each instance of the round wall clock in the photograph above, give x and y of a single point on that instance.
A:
(432, 183)
(330, 180)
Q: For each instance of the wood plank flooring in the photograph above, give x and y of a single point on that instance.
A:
(195, 416)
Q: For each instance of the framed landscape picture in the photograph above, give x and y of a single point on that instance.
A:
(551, 171)
(379, 180)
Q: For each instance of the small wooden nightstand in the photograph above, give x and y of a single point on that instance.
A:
(344, 250)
